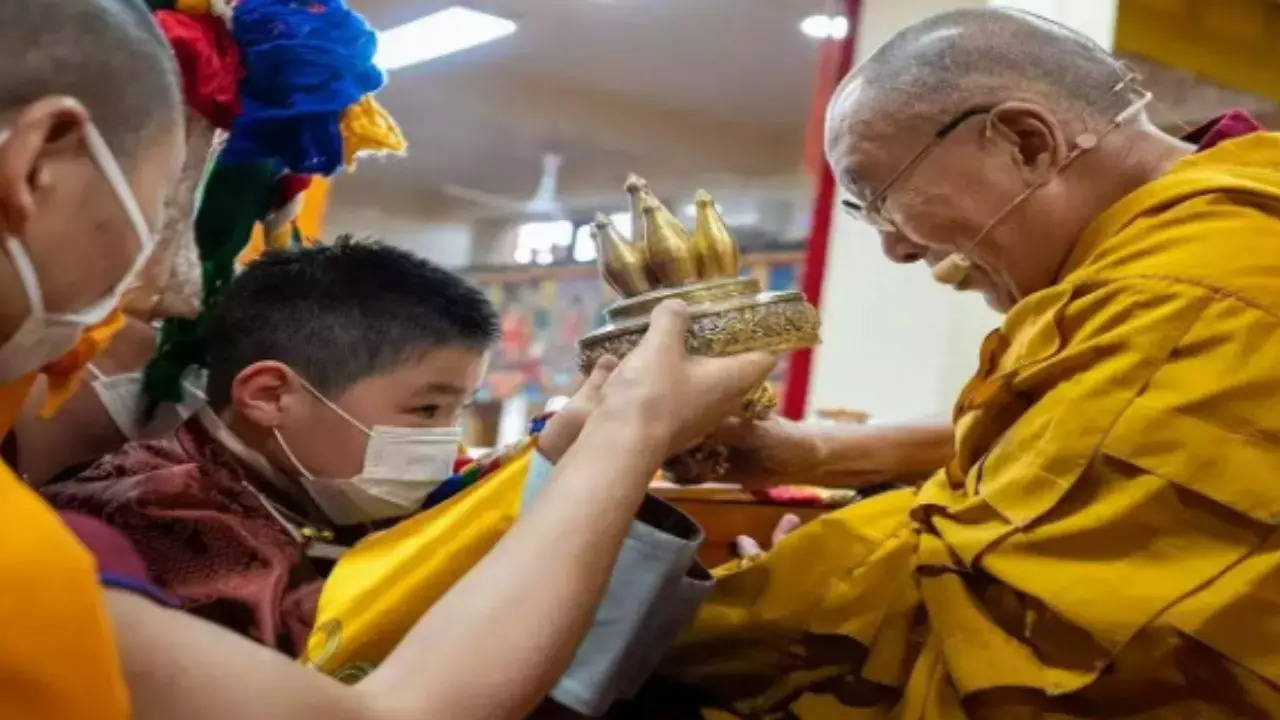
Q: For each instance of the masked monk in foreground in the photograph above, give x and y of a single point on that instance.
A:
(1104, 542)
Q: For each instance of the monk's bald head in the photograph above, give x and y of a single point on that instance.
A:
(933, 70)
(990, 135)
(108, 54)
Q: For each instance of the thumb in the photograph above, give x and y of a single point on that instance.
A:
(599, 374)
(667, 325)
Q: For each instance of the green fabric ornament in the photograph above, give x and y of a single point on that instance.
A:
(235, 197)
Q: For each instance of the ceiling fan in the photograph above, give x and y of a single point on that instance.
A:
(544, 204)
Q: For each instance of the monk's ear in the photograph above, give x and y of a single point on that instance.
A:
(266, 393)
(1033, 138)
(45, 127)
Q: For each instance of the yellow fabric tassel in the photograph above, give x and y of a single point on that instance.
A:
(193, 7)
(280, 236)
(380, 587)
(367, 128)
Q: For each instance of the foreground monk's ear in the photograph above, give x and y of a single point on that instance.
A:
(45, 127)
(1035, 139)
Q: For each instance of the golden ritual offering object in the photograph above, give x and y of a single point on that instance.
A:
(728, 314)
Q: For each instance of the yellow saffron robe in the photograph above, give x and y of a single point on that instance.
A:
(57, 650)
(380, 587)
(1106, 542)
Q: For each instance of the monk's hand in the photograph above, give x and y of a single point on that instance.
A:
(679, 398)
(770, 452)
(563, 427)
(748, 548)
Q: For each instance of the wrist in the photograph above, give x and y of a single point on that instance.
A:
(629, 432)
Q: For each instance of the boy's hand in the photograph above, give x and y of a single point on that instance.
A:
(674, 398)
(563, 427)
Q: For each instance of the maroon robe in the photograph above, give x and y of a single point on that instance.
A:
(206, 538)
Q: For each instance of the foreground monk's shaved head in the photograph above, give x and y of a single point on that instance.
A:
(108, 54)
(70, 71)
(983, 141)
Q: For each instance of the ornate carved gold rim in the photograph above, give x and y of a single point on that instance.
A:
(771, 322)
(704, 293)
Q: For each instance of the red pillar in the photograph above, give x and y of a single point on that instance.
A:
(834, 60)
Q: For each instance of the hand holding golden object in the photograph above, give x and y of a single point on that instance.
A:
(728, 314)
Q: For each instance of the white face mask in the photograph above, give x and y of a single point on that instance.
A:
(402, 465)
(44, 336)
(125, 402)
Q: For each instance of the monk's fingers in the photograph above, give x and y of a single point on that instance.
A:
(746, 547)
(786, 525)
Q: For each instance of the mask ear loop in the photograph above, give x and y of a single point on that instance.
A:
(289, 454)
(331, 404)
(26, 274)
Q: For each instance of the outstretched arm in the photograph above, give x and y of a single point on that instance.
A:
(495, 644)
(779, 452)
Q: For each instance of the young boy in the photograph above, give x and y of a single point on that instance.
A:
(336, 378)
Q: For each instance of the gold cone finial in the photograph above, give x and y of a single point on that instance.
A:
(717, 252)
(661, 253)
(638, 188)
(620, 262)
(670, 256)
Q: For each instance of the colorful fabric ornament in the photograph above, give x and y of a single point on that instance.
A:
(209, 61)
(279, 227)
(235, 198)
(367, 128)
(288, 187)
(306, 62)
(476, 471)
(291, 81)
(470, 472)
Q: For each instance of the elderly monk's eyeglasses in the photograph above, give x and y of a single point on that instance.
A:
(872, 212)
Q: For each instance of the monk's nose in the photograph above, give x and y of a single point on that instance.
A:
(899, 249)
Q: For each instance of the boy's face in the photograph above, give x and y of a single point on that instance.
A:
(428, 391)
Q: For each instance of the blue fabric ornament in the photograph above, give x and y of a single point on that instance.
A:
(305, 62)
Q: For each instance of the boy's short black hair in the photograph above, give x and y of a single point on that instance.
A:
(337, 314)
(108, 54)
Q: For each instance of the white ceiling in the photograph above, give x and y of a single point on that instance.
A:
(678, 90)
(689, 93)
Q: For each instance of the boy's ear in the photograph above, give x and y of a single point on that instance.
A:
(265, 392)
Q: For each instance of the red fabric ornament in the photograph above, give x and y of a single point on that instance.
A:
(209, 60)
(288, 187)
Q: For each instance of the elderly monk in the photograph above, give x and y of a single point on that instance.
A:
(1104, 540)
